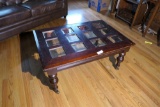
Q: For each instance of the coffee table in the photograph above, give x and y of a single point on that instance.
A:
(71, 45)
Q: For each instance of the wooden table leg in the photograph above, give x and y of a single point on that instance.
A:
(53, 79)
(120, 59)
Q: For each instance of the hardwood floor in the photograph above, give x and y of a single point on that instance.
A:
(95, 84)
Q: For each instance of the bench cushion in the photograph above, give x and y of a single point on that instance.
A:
(12, 14)
(41, 7)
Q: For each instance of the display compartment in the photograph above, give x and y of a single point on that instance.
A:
(52, 42)
(89, 34)
(83, 27)
(114, 38)
(49, 34)
(72, 38)
(97, 42)
(105, 31)
(78, 47)
(57, 52)
(67, 30)
(97, 25)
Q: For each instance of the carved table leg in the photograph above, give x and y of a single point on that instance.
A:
(53, 79)
(120, 59)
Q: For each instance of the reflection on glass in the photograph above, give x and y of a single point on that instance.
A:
(97, 42)
(83, 27)
(104, 31)
(114, 38)
(52, 42)
(89, 34)
(97, 25)
(74, 18)
(72, 38)
(67, 30)
(78, 47)
(49, 34)
(57, 52)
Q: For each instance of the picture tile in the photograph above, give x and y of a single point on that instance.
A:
(78, 47)
(52, 42)
(83, 27)
(114, 38)
(97, 25)
(67, 30)
(89, 34)
(104, 31)
(97, 42)
(72, 38)
(57, 52)
(49, 34)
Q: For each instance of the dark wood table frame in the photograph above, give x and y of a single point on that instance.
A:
(120, 45)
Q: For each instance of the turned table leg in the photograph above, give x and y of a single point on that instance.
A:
(120, 59)
(53, 79)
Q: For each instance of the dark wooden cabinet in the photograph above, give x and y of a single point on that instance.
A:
(153, 21)
(156, 21)
(131, 11)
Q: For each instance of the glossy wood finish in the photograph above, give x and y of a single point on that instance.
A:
(72, 58)
(53, 79)
(95, 84)
(120, 59)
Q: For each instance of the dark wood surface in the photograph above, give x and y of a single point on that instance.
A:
(131, 11)
(71, 55)
(72, 58)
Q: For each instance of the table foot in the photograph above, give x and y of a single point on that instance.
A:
(53, 79)
(120, 59)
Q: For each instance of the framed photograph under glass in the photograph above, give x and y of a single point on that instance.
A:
(78, 47)
(57, 52)
(83, 27)
(49, 34)
(97, 25)
(67, 30)
(52, 42)
(104, 31)
(72, 38)
(97, 42)
(114, 38)
(89, 34)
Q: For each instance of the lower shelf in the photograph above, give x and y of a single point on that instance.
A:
(125, 15)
